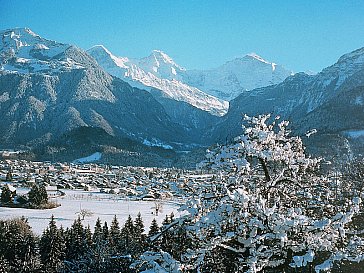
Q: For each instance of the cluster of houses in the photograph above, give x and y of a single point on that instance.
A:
(131, 182)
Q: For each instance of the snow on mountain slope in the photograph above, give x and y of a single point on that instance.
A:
(48, 89)
(160, 72)
(206, 89)
(330, 102)
(346, 66)
(236, 76)
(91, 158)
(23, 51)
(161, 65)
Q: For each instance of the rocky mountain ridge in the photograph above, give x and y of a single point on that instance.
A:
(43, 97)
(208, 90)
(329, 102)
(49, 90)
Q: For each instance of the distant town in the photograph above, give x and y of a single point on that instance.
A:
(138, 183)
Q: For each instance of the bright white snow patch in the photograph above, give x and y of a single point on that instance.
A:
(155, 143)
(91, 158)
(41, 46)
(257, 57)
(4, 97)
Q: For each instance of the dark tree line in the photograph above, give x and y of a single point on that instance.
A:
(79, 248)
(37, 197)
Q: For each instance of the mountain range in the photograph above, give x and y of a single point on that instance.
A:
(208, 90)
(53, 95)
(329, 102)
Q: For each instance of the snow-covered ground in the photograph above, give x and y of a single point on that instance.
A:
(156, 143)
(91, 158)
(104, 206)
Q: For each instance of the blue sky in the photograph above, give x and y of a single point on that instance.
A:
(301, 35)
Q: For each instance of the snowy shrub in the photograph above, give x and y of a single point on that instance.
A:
(157, 262)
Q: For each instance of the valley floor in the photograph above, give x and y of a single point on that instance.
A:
(103, 206)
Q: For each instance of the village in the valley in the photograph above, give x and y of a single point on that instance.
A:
(133, 182)
(94, 191)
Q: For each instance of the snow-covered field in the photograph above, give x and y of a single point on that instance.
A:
(104, 206)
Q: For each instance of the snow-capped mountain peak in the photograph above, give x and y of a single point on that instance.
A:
(20, 34)
(101, 48)
(160, 56)
(226, 82)
(255, 56)
(102, 54)
(161, 65)
(23, 37)
(23, 51)
(238, 75)
(158, 71)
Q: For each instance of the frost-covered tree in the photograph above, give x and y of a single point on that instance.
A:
(157, 262)
(270, 209)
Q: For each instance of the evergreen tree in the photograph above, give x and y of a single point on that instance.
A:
(139, 236)
(166, 222)
(105, 233)
(127, 236)
(115, 237)
(6, 195)
(38, 195)
(100, 251)
(171, 217)
(52, 248)
(180, 242)
(9, 176)
(76, 241)
(88, 237)
(97, 236)
(139, 225)
(154, 228)
(167, 237)
(18, 245)
(121, 256)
